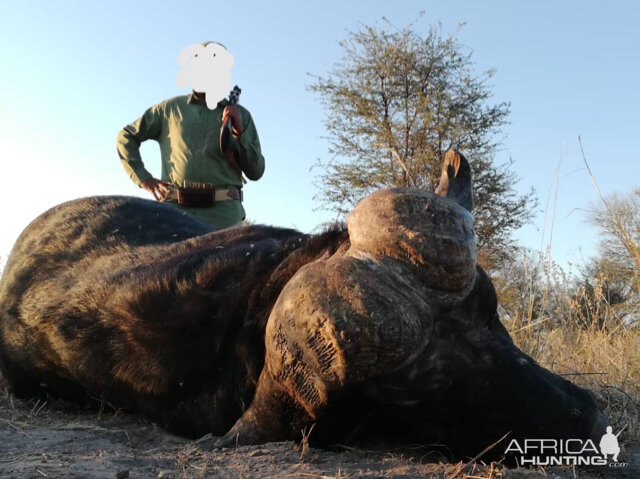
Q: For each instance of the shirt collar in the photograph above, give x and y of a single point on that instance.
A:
(191, 98)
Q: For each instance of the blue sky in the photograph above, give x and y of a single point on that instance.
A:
(75, 73)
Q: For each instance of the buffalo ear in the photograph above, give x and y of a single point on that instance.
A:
(189, 52)
(484, 302)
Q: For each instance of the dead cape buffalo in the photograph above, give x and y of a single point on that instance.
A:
(258, 332)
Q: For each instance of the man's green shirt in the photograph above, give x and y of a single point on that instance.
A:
(189, 137)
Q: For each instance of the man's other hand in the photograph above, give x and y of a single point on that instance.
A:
(159, 189)
(236, 119)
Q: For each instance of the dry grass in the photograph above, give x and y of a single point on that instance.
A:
(574, 328)
(601, 359)
(118, 444)
(575, 332)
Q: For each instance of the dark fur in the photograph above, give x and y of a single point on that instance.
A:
(134, 302)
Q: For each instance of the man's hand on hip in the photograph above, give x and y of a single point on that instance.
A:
(159, 189)
(233, 113)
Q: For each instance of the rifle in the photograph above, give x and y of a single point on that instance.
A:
(225, 131)
(225, 134)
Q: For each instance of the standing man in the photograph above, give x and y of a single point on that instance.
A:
(187, 129)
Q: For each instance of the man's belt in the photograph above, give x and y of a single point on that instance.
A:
(203, 197)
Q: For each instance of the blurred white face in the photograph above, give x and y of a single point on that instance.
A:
(207, 69)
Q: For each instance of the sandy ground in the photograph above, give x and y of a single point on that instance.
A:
(61, 441)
